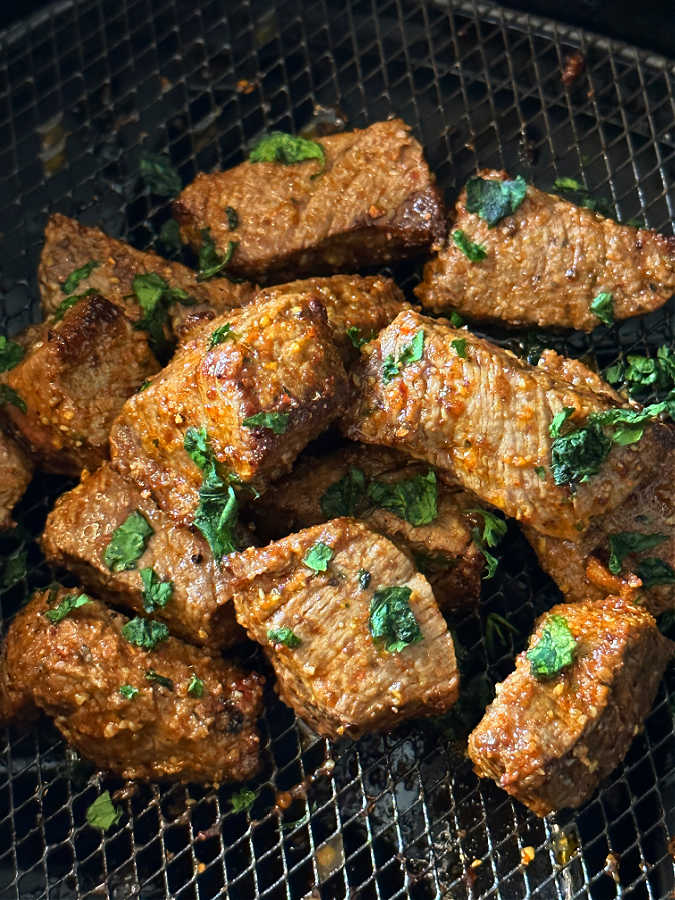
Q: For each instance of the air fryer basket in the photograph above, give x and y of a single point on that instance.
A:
(85, 88)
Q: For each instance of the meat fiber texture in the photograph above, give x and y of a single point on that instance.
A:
(74, 380)
(70, 245)
(442, 549)
(16, 471)
(73, 671)
(549, 743)
(546, 263)
(79, 530)
(484, 417)
(375, 202)
(279, 359)
(338, 679)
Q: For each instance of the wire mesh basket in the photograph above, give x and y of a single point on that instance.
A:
(85, 88)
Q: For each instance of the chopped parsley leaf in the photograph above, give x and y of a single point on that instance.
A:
(410, 353)
(222, 334)
(554, 650)
(102, 814)
(9, 395)
(146, 384)
(169, 236)
(273, 421)
(346, 496)
(459, 346)
(493, 531)
(392, 621)
(154, 297)
(629, 424)
(413, 499)
(66, 606)
(318, 556)
(232, 217)
(455, 319)
(625, 542)
(357, 339)
(156, 593)
(364, 579)
(145, 633)
(159, 175)
(242, 801)
(11, 354)
(77, 275)
(128, 543)
(652, 571)
(128, 691)
(492, 200)
(195, 687)
(153, 676)
(603, 307)
(285, 636)
(641, 374)
(69, 302)
(473, 252)
(541, 472)
(559, 420)
(569, 184)
(287, 149)
(210, 261)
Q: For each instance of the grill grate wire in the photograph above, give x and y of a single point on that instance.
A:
(85, 87)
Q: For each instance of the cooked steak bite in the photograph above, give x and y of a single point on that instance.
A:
(16, 471)
(352, 630)
(546, 263)
(578, 374)
(480, 413)
(161, 710)
(71, 247)
(257, 386)
(197, 604)
(550, 739)
(73, 381)
(372, 200)
(423, 516)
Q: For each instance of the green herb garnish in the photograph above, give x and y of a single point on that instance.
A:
(66, 606)
(318, 556)
(9, 395)
(410, 353)
(222, 334)
(603, 307)
(69, 302)
(159, 175)
(14, 569)
(102, 814)
(641, 374)
(156, 593)
(11, 354)
(459, 346)
(357, 339)
(169, 236)
(145, 633)
(364, 579)
(77, 275)
(541, 472)
(210, 261)
(242, 801)
(153, 676)
(392, 621)
(413, 499)
(625, 542)
(232, 218)
(274, 421)
(492, 200)
(128, 691)
(652, 571)
(493, 531)
(195, 686)
(569, 184)
(496, 631)
(455, 319)
(128, 543)
(582, 196)
(287, 149)
(346, 496)
(285, 636)
(154, 297)
(473, 252)
(554, 650)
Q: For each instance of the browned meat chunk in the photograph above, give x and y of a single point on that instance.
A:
(74, 381)
(549, 741)
(480, 413)
(546, 263)
(16, 471)
(422, 516)
(263, 382)
(578, 374)
(352, 630)
(171, 711)
(374, 201)
(79, 531)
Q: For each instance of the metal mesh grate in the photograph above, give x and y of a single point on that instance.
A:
(84, 88)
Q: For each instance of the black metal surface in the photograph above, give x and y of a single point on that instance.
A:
(84, 88)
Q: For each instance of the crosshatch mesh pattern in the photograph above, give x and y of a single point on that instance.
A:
(86, 87)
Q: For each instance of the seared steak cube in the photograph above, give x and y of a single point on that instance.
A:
(16, 471)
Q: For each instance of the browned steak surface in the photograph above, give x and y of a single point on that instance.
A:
(16, 471)
(74, 380)
(338, 484)
(546, 263)
(338, 678)
(484, 415)
(374, 202)
(73, 670)
(279, 360)
(80, 528)
(549, 743)
(70, 245)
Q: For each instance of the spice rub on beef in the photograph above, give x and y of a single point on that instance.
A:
(394, 496)
(174, 576)
(131, 699)
(16, 471)
(353, 631)
(553, 734)
(70, 247)
(371, 200)
(258, 384)
(545, 263)
(477, 411)
(73, 381)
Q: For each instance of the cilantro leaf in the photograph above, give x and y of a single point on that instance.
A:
(242, 801)
(494, 528)
(653, 570)
(455, 319)
(66, 606)
(410, 353)
(196, 444)
(156, 593)
(222, 334)
(582, 196)
(364, 579)
(578, 455)
(357, 339)
(69, 302)
(541, 472)
(641, 374)
(102, 814)
(492, 200)
(629, 424)
(154, 297)
(346, 496)
(162, 680)
(559, 420)
(9, 395)
(459, 346)
(159, 175)
(413, 499)
(169, 236)
(603, 307)
(274, 421)
(77, 275)
(625, 542)
(285, 636)
(473, 252)
(568, 184)
(210, 261)
(128, 691)
(491, 561)
(128, 543)
(554, 650)
(392, 621)
(11, 354)
(318, 556)
(195, 686)
(232, 217)
(145, 633)
(390, 369)
(287, 149)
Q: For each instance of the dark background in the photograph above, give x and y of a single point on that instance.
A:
(645, 23)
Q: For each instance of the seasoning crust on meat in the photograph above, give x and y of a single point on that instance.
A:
(374, 202)
(73, 671)
(546, 263)
(16, 471)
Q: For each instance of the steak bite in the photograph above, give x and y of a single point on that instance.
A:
(196, 605)
(73, 381)
(394, 496)
(483, 415)
(352, 630)
(257, 385)
(163, 709)
(550, 738)
(16, 471)
(372, 200)
(546, 263)
(70, 246)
